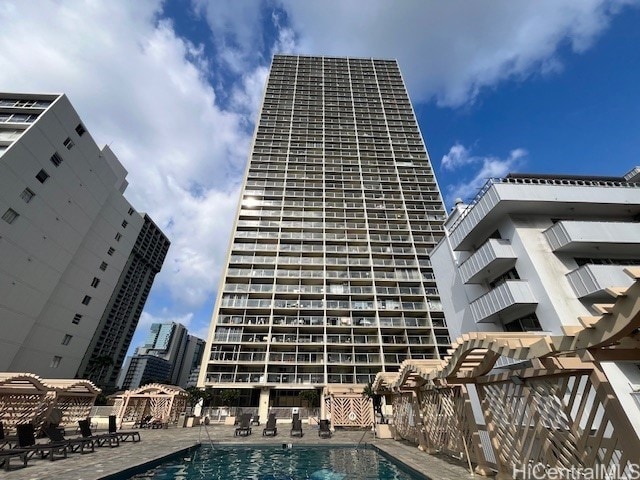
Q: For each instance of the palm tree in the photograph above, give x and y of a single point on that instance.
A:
(376, 399)
(96, 366)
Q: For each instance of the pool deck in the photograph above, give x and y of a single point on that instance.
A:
(159, 443)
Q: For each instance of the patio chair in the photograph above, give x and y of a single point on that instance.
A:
(296, 428)
(324, 431)
(99, 440)
(244, 428)
(27, 442)
(78, 444)
(6, 454)
(255, 419)
(134, 435)
(270, 429)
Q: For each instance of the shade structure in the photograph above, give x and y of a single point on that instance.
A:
(25, 397)
(163, 402)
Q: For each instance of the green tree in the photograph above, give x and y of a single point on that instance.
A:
(229, 397)
(376, 399)
(195, 394)
(311, 397)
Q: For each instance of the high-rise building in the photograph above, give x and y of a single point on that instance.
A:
(70, 245)
(170, 342)
(140, 370)
(539, 253)
(328, 278)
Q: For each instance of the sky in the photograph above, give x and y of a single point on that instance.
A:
(174, 87)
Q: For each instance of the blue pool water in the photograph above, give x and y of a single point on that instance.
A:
(274, 463)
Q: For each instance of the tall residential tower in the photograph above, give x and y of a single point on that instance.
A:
(76, 259)
(328, 279)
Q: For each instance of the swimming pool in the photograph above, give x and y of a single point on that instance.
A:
(276, 463)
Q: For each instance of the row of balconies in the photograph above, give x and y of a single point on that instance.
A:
(339, 339)
(332, 321)
(304, 304)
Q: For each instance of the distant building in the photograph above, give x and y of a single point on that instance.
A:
(536, 252)
(76, 259)
(144, 369)
(172, 343)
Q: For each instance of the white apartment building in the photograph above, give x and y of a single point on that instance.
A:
(68, 240)
(536, 252)
(328, 279)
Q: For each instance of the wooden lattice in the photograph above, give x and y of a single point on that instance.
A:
(406, 416)
(349, 410)
(448, 422)
(163, 402)
(27, 398)
(563, 421)
(560, 412)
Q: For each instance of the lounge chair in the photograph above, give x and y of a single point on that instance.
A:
(7, 440)
(144, 422)
(324, 431)
(270, 429)
(245, 425)
(27, 442)
(296, 428)
(125, 435)
(99, 440)
(6, 454)
(255, 420)
(78, 444)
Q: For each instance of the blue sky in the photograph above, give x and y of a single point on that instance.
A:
(174, 87)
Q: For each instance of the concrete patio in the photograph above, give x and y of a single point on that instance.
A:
(159, 443)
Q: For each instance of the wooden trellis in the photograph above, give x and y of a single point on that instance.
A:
(348, 408)
(27, 398)
(163, 402)
(559, 411)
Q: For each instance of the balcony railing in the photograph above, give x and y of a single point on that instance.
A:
(496, 255)
(513, 296)
(594, 279)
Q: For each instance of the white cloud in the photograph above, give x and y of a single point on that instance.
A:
(453, 49)
(143, 89)
(458, 156)
(490, 167)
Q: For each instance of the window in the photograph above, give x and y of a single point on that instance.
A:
(80, 130)
(95, 282)
(110, 251)
(42, 176)
(27, 195)
(56, 159)
(67, 338)
(124, 224)
(103, 266)
(76, 319)
(10, 215)
(118, 237)
(131, 210)
(86, 300)
(69, 143)
(55, 362)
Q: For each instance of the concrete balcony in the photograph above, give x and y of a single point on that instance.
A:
(506, 196)
(494, 257)
(510, 300)
(592, 280)
(589, 237)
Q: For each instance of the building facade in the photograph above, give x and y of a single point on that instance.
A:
(68, 238)
(141, 370)
(538, 253)
(328, 279)
(172, 343)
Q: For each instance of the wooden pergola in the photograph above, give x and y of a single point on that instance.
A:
(163, 402)
(554, 407)
(25, 397)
